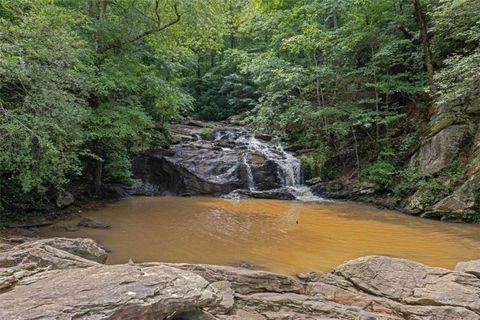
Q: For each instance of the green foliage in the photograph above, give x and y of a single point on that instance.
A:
(408, 182)
(206, 133)
(381, 173)
(42, 106)
(94, 82)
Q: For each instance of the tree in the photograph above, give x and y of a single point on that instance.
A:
(422, 26)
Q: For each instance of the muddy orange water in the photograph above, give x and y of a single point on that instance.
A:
(281, 236)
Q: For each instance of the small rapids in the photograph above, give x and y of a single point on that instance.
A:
(288, 167)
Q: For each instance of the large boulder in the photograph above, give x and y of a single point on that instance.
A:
(412, 283)
(27, 261)
(64, 199)
(463, 200)
(108, 292)
(472, 267)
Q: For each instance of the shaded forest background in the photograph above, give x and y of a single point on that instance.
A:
(86, 85)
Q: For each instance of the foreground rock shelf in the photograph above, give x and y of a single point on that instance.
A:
(66, 279)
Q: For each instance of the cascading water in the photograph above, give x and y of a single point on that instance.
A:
(231, 161)
(249, 173)
(289, 168)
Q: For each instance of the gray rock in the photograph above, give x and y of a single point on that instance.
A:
(49, 280)
(225, 292)
(244, 281)
(278, 194)
(412, 283)
(92, 224)
(462, 200)
(108, 292)
(27, 262)
(64, 199)
(232, 159)
(472, 267)
(441, 149)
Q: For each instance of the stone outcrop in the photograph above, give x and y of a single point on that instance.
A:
(452, 134)
(370, 288)
(441, 149)
(29, 259)
(108, 292)
(216, 159)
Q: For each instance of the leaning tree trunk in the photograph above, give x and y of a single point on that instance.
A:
(425, 41)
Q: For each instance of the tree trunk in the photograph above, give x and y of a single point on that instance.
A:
(97, 178)
(425, 41)
(357, 157)
(335, 20)
(377, 98)
(97, 11)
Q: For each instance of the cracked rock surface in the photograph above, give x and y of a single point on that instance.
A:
(64, 279)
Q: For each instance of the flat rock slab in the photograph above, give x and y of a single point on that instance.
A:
(62, 279)
(108, 292)
(412, 283)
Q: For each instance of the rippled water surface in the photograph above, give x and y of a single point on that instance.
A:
(281, 236)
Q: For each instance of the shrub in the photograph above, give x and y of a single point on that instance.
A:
(382, 174)
(206, 133)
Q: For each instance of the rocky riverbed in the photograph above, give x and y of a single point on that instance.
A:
(62, 278)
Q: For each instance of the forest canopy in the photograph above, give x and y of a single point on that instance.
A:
(87, 84)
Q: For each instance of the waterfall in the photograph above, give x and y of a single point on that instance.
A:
(229, 161)
(289, 167)
(248, 170)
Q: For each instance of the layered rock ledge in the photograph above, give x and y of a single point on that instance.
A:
(66, 279)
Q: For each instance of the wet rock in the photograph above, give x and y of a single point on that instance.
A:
(64, 199)
(265, 175)
(264, 137)
(294, 147)
(333, 190)
(116, 191)
(313, 181)
(278, 194)
(92, 224)
(65, 228)
(233, 159)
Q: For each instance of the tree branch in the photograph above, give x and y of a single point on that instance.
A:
(142, 35)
